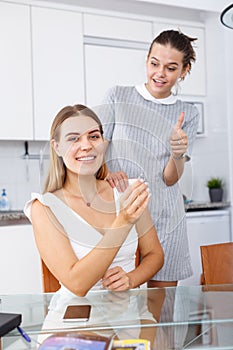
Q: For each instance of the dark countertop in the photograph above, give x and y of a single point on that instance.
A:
(17, 217)
(13, 217)
(195, 206)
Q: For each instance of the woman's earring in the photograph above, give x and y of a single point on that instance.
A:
(177, 88)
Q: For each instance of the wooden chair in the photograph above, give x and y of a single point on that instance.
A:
(50, 283)
(217, 263)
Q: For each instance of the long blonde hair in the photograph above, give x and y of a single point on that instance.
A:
(57, 170)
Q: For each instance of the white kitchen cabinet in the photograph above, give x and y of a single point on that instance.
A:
(195, 82)
(106, 66)
(58, 78)
(15, 72)
(117, 28)
(20, 269)
(116, 56)
(204, 228)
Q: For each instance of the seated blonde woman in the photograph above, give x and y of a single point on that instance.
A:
(86, 232)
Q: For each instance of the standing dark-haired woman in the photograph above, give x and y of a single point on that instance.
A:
(151, 132)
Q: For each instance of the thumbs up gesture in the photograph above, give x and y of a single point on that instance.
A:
(178, 139)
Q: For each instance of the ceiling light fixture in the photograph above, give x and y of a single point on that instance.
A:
(227, 17)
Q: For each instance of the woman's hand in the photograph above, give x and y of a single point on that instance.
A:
(134, 201)
(118, 179)
(178, 139)
(116, 279)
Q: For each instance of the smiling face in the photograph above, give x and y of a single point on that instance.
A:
(164, 67)
(80, 145)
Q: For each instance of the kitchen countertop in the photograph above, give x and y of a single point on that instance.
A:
(195, 206)
(13, 217)
(17, 217)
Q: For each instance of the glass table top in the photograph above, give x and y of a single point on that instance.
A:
(177, 308)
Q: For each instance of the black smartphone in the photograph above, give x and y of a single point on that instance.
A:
(74, 313)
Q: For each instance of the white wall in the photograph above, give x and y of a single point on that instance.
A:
(228, 36)
(211, 153)
(228, 43)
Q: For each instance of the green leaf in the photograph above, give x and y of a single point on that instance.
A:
(215, 182)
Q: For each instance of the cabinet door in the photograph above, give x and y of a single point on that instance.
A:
(58, 80)
(195, 82)
(109, 66)
(15, 72)
(20, 269)
(205, 229)
(117, 28)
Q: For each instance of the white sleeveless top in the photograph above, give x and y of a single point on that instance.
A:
(84, 237)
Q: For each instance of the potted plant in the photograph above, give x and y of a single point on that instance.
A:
(215, 185)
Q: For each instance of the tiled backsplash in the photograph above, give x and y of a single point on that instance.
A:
(21, 176)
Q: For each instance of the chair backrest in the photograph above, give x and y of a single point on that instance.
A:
(217, 263)
(50, 283)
